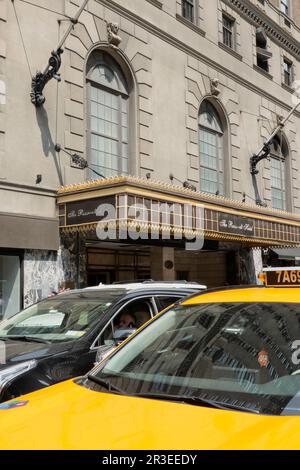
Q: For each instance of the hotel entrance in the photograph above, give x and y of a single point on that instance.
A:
(129, 229)
(112, 262)
(108, 263)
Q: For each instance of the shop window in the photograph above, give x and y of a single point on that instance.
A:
(211, 143)
(108, 116)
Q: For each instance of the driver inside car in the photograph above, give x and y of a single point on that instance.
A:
(126, 320)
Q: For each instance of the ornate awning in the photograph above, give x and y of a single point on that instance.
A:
(126, 202)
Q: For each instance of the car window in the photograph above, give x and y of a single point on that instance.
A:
(236, 355)
(164, 301)
(60, 318)
(131, 316)
(106, 337)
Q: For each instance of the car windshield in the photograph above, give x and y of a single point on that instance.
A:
(242, 356)
(65, 317)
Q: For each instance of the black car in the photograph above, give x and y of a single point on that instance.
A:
(58, 338)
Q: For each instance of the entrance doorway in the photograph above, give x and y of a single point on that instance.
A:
(124, 263)
(100, 277)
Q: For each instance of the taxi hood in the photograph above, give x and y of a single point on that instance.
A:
(70, 416)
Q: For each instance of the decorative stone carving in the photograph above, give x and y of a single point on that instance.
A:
(214, 87)
(280, 120)
(112, 35)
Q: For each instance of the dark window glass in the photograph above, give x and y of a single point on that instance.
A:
(262, 53)
(287, 69)
(164, 302)
(188, 9)
(262, 62)
(228, 30)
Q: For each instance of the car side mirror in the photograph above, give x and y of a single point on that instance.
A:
(103, 351)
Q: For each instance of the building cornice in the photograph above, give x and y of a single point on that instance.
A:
(18, 215)
(25, 188)
(259, 18)
(277, 10)
(156, 3)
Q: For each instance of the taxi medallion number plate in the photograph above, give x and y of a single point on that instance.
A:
(283, 277)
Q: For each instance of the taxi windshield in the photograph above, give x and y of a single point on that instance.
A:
(65, 317)
(243, 356)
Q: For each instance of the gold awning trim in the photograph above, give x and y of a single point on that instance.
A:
(208, 234)
(170, 189)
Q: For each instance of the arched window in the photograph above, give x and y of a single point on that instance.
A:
(211, 136)
(279, 153)
(107, 116)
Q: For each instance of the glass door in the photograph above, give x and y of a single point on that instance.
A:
(10, 285)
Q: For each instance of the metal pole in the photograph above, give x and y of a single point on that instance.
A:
(77, 261)
(279, 127)
(264, 152)
(71, 26)
(40, 80)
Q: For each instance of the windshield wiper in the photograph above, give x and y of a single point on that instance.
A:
(106, 384)
(193, 400)
(187, 399)
(29, 339)
(233, 407)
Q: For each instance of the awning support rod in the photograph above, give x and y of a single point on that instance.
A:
(40, 80)
(265, 151)
(78, 160)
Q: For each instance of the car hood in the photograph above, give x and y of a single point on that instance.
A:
(19, 351)
(69, 416)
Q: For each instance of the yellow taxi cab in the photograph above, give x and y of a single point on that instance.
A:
(220, 370)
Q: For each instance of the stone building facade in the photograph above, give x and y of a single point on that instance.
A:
(197, 78)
